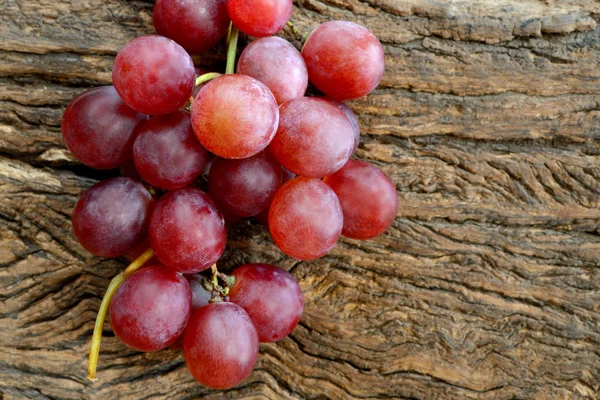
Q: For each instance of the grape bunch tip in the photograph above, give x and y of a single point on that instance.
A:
(266, 150)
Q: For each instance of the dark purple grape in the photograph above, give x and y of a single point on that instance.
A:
(99, 129)
(220, 345)
(167, 153)
(112, 217)
(344, 60)
(151, 308)
(271, 297)
(197, 25)
(368, 198)
(187, 231)
(244, 187)
(276, 63)
(305, 218)
(154, 75)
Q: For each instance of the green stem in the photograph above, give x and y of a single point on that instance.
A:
(110, 292)
(231, 50)
(206, 77)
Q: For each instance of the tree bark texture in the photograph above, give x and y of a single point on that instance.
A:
(487, 286)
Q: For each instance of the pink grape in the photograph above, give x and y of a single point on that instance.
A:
(235, 116)
(351, 117)
(271, 297)
(153, 75)
(259, 18)
(220, 345)
(305, 218)
(112, 217)
(167, 153)
(314, 137)
(276, 63)
(187, 232)
(151, 308)
(197, 25)
(99, 129)
(263, 216)
(344, 60)
(244, 187)
(368, 198)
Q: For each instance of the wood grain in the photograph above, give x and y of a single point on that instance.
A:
(487, 286)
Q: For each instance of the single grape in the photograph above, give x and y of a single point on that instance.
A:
(151, 308)
(368, 198)
(197, 25)
(153, 75)
(112, 217)
(276, 63)
(99, 129)
(259, 18)
(271, 297)
(305, 218)
(351, 117)
(220, 345)
(244, 187)
(314, 137)
(127, 169)
(235, 116)
(187, 232)
(167, 153)
(344, 60)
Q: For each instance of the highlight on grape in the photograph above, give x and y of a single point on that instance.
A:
(269, 152)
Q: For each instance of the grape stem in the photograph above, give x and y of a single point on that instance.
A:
(110, 291)
(296, 32)
(207, 77)
(231, 50)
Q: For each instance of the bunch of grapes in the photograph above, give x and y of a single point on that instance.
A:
(270, 151)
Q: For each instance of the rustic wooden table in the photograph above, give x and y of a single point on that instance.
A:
(487, 286)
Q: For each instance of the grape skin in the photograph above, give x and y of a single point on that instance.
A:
(167, 153)
(112, 217)
(344, 60)
(271, 297)
(220, 345)
(276, 63)
(99, 129)
(153, 75)
(235, 116)
(259, 18)
(368, 198)
(151, 308)
(197, 25)
(351, 117)
(187, 232)
(305, 218)
(314, 137)
(244, 187)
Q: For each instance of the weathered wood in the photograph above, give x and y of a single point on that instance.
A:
(486, 287)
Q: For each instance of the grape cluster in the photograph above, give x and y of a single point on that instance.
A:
(268, 151)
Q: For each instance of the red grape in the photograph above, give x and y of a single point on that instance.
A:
(167, 153)
(151, 308)
(271, 297)
(352, 118)
(276, 63)
(127, 169)
(220, 345)
(263, 216)
(314, 137)
(154, 75)
(235, 116)
(200, 296)
(244, 187)
(187, 231)
(305, 218)
(139, 249)
(344, 60)
(259, 18)
(99, 129)
(197, 25)
(111, 217)
(368, 198)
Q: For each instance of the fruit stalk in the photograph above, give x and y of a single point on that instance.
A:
(231, 50)
(110, 291)
(206, 77)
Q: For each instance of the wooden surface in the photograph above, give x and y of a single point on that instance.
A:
(486, 287)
